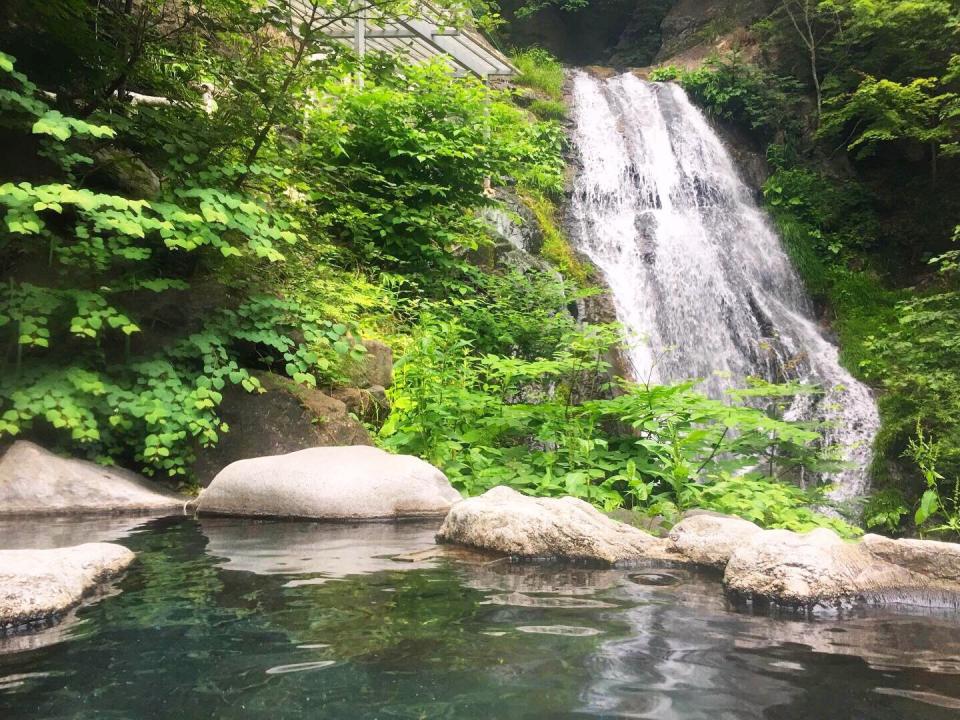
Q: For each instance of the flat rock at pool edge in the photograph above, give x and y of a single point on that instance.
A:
(36, 481)
(503, 520)
(710, 539)
(818, 568)
(37, 585)
(354, 482)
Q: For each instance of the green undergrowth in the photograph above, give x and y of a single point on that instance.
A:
(549, 109)
(555, 424)
(540, 71)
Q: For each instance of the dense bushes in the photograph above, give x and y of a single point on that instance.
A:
(554, 426)
(99, 356)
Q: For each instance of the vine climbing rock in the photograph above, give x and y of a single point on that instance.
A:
(330, 483)
(37, 586)
(503, 520)
(36, 481)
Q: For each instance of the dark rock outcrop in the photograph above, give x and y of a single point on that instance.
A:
(286, 418)
(118, 169)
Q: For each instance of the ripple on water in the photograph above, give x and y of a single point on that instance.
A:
(557, 601)
(300, 667)
(17, 679)
(656, 579)
(568, 630)
(930, 698)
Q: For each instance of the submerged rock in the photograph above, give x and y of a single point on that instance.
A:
(566, 528)
(34, 481)
(331, 483)
(710, 539)
(38, 585)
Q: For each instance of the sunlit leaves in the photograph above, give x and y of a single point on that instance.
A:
(53, 123)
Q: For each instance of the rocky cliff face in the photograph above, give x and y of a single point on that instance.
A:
(636, 33)
(692, 29)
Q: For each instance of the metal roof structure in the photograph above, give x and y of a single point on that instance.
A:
(419, 38)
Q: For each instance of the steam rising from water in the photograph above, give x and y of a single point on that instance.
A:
(699, 278)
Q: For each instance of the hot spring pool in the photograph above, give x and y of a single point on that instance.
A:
(235, 619)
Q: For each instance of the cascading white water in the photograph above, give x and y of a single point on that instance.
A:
(700, 280)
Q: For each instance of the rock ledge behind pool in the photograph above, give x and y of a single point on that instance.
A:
(354, 482)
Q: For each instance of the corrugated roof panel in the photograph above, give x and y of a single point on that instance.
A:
(424, 35)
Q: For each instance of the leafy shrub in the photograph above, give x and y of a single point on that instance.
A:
(84, 359)
(490, 420)
(741, 92)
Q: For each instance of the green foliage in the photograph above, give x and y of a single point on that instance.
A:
(539, 70)
(489, 420)
(917, 361)
(402, 162)
(885, 510)
(258, 230)
(887, 111)
(733, 90)
(938, 509)
(74, 361)
(769, 504)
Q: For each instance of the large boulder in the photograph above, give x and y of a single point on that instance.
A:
(119, 169)
(370, 405)
(37, 586)
(376, 368)
(818, 569)
(504, 521)
(34, 480)
(285, 418)
(330, 483)
(710, 539)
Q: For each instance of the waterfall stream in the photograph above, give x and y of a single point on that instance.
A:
(699, 278)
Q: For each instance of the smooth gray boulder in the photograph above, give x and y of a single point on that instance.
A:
(36, 481)
(502, 520)
(819, 569)
(710, 539)
(39, 585)
(330, 483)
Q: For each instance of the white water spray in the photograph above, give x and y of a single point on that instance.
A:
(700, 280)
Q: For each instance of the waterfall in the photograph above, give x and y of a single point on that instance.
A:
(700, 280)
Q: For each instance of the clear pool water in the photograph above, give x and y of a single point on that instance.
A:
(235, 619)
